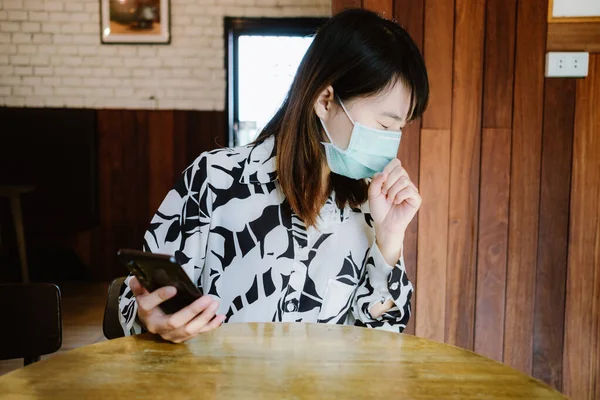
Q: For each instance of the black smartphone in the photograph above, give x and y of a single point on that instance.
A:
(157, 270)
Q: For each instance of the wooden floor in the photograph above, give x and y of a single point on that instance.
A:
(83, 309)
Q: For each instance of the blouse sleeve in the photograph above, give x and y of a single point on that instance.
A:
(179, 228)
(379, 283)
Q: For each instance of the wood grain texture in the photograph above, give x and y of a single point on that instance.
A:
(574, 36)
(409, 14)
(433, 234)
(437, 50)
(385, 8)
(142, 161)
(110, 155)
(141, 154)
(181, 151)
(557, 148)
(464, 173)
(499, 63)
(494, 188)
(270, 361)
(581, 356)
(525, 183)
(206, 130)
(161, 127)
(493, 242)
(340, 5)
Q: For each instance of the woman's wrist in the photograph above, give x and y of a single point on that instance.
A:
(390, 247)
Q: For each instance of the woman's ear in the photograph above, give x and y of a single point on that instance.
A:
(324, 103)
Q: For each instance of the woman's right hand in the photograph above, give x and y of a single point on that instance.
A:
(198, 317)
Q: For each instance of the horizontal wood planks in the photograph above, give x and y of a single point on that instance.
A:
(578, 36)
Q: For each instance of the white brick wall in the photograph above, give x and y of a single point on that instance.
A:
(51, 56)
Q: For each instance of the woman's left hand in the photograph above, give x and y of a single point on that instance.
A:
(394, 201)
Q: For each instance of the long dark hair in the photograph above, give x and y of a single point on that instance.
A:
(358, 53)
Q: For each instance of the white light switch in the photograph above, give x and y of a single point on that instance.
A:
(567, 65)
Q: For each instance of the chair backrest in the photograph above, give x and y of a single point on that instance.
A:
(32, 321)
(111, 326)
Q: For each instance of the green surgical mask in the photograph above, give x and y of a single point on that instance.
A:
(369, 151)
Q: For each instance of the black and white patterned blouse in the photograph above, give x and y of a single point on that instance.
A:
(228, 224)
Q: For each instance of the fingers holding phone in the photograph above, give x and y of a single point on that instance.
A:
(198, 317)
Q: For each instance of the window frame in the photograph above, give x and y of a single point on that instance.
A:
(238, 26)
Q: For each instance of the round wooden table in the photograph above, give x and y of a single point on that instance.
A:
(273, 361)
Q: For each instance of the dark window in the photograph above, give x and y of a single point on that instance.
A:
(262, 57)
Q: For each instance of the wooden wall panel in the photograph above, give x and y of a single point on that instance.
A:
(141, 154)
(160, 151)
(582, 343)
(524, 183)
(437, 39)
(493, 242)
(385, 8)
(499, 63)
(495, 177)
(180, 145)
(438, 50)
(205, 132)
(341, 5)
(580, 36)
(464, 172)
(126, 197)
(433, 234)
(143, 159)
(409, 14)
(501, 250)
(549, 315)
(111, 155)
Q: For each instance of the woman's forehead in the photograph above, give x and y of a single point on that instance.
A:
(395, 100)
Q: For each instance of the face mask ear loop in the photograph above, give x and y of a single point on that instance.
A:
(346, 111)
(326, 132)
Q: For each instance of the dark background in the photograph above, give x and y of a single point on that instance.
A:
(99, 177)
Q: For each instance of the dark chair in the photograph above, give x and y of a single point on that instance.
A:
(111, 326)
(32, 321)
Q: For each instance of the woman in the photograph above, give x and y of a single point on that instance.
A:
(290, 228)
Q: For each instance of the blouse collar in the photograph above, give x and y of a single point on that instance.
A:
(260, 166)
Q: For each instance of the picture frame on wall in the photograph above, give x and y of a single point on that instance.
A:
(135, 21)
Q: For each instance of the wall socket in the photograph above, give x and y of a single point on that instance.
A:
(567, 65)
